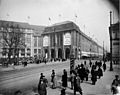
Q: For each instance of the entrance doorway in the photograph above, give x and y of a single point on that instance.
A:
(60, 53)
(67, 53)
(53, 53)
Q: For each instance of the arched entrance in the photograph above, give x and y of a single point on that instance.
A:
(67, 53)
(60, 53)
(52, 53)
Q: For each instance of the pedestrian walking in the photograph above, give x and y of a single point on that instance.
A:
(90, 63)
(18, 92)
(93, 75)
(53, 79)
(72, 75)
(64, 78)
(82, 73)
(115, 84)
(25, 63)
(77, 86)
(99, 72)
(100, 63)
(104, 66)
(86, 73)
(42, 87)
(42, 76)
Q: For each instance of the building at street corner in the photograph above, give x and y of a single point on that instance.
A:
(115, 38)
(53, 42)
(32, 37)
(62, 38)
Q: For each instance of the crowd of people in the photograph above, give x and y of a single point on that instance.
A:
(82, 72)
(77, 76)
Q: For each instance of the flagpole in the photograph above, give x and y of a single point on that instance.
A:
(28, 19)
(7, 16)
(59, 17)
(75, 18)
(84, 28)
(49, 23)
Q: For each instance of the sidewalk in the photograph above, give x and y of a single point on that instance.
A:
(102, 86)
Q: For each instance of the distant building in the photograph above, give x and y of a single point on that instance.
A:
(32, 35)
(115, 35)
(62, 39)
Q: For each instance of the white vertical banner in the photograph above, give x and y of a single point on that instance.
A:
(67, 39)
(45, 41)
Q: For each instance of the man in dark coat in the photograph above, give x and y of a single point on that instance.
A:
(81, 72)
(94, 75)
(42, 88)
(90, 63)
(104, 66)
(77, 86)
(100, 72)
(64, 78)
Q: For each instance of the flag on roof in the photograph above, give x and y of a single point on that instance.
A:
(75, 15)
(49, 19)
(28, 17)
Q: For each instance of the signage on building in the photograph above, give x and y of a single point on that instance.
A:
(45, 41)
(67, 39)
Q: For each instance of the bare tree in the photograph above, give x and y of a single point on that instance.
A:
(13, 40)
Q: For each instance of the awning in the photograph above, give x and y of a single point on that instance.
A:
(86, 55)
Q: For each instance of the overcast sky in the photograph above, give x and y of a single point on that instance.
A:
(92, 16)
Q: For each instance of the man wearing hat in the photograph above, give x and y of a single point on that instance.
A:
(42, 77)
(115, 84)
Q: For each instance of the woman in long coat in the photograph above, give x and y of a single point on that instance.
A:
(64, 78)
(42, 87)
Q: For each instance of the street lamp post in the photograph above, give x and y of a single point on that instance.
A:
(110, 32)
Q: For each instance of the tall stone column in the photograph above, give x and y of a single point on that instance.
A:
(32, 45)
(63, 53)
(56, 48)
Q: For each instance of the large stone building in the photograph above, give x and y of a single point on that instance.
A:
(115, 44)
(59, 40)
(55, 41)
(32, 35)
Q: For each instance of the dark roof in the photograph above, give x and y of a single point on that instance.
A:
(14, 24)
(63, 26)
(21, 25)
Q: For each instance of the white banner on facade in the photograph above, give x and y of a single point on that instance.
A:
(45, 41)
(67, 39)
